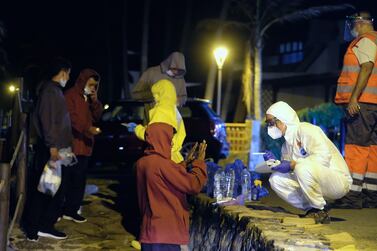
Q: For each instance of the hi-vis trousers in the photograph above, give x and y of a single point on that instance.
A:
(361, 148)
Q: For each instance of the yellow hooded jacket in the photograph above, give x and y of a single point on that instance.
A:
(165, 111)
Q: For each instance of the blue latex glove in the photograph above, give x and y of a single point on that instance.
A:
(284, 167)
(268, 155)
(131, 126)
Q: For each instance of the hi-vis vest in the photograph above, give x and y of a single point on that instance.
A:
(348, 77)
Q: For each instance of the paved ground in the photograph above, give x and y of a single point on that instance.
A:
(105, 229)
(360, 224)
(112, 210)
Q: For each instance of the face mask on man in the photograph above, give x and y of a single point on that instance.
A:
(170, 73)
(354, 33)
(63, 82)
(274, 132)
(87, 91)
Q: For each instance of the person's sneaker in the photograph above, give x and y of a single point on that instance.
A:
(319, 216)
(32, 237)
(52, 233)
(76, 218)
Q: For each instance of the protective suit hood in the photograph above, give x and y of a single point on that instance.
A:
(175, 60)
(164, 110)
(288, 116)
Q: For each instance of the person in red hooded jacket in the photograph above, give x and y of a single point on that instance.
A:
(162, 189)
(84, 109)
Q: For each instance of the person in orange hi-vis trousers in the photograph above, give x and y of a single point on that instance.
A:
(357, 91)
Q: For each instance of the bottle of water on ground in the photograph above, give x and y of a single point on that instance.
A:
(218, 190)
(246, 184)
(229, 183)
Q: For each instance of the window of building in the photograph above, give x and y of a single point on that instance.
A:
(291, 52)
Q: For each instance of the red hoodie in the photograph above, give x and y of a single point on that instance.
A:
(83, 113)
(162, 188)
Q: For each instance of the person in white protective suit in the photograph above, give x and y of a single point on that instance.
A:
(311, 167)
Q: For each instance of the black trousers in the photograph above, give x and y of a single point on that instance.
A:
(75, 185)
(159, 247)
(41, 211)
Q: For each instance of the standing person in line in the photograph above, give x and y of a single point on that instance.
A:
(357, 91)
(162, 188)
(311, 169)
(84, 109)
(53, 125)
(173, 69)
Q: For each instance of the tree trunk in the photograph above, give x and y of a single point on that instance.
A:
(186, 27)
(210, 86)
(258, 82)
(126, 87)
(227, 96)
(247, 81)
(145, 37)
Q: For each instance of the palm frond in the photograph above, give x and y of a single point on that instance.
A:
(313, 12)
(213, 24)
(306, 14)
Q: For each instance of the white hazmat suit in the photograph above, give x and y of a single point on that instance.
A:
(320, 170)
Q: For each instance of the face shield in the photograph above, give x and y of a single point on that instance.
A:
(350, 31)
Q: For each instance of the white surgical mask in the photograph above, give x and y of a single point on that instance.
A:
(170, 73)
(354, 33)
(274, 132)
(87, 91)
(63, 82)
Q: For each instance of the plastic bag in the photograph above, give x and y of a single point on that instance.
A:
(51, 178)
(67, 157)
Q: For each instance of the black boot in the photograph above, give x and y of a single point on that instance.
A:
(352, 200)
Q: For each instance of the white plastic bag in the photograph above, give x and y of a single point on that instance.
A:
(67, 157)
(51, 178)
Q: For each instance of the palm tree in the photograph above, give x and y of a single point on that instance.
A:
(256, 18)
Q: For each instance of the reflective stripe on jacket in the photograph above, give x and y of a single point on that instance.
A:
(348, 77)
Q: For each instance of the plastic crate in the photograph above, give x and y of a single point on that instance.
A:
(239, 137)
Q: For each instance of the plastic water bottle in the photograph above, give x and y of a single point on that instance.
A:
(218, 184)
(229, 183)
(254, 193)
(246, 184)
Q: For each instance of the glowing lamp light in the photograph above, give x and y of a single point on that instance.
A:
(12, 88)
(106, 106)
(220, 55)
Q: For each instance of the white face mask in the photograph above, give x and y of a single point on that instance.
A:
(274, 132)
(354, 33)
(63, 82)
(170, 73)
(87, 91)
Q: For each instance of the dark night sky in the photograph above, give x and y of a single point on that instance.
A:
(81, 31)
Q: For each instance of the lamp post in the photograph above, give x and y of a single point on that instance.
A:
(220, 56)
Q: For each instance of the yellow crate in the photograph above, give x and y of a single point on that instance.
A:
(239, 136)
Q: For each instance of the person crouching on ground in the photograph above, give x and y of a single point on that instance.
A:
(162, 188)
(311, 168)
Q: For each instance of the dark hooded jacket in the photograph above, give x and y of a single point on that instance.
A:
(51, 118)
(162, 188)
(176, 60)
(83, 112)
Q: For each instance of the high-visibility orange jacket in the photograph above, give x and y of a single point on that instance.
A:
(348, 77)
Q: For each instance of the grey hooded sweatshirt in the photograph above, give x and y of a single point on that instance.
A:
(51, 118)
(142, 89)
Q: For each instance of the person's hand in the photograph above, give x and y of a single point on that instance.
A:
(268, 155)
(258, 183)
(93, 96)
(191, 155)
(284, 167)
(131, 126)
(94, 130)
(353, 107)
(54, 154)
(202, 150)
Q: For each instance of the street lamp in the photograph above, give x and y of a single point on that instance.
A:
(220, 56)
